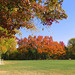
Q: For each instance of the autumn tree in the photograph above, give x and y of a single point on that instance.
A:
(7, 45)
(40, 47)
(62, 43)
(16, 14)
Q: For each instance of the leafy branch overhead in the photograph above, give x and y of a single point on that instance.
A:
(20, 13)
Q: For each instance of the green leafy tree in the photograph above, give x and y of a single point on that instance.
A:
(71, 47)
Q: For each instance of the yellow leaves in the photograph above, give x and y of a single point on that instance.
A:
(7, 44)
(13, 12)
(3, 49)
(59, 5)
(15, 9)
(2, 41)
(42, 29)
(59, 10)
(25, 20)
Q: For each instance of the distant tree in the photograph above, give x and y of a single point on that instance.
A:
(72, 42)
(71, 47)
(62, 43)
(43, 46)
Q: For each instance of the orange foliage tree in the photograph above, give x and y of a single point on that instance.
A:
(40, 45)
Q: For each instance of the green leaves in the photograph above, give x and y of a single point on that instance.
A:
(71, 46)
(71, 41)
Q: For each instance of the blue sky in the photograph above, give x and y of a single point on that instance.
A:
(63, 31)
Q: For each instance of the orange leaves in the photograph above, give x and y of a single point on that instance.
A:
(35, 41)
(39, 39)
(39, 50)
(29, 37)
(26, 50)
(32, 39)
(38, 44)
(57, 48)
(29, 41)
(45, 45)
(25, 40)
(46, 37)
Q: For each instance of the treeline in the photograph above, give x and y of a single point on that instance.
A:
(35, 48)
(16, 14)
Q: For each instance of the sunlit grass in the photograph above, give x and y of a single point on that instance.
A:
(38, 67)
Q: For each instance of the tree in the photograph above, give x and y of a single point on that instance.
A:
(40, 47)
(62, 43)
(7, 45)
(16, 14)
(72, 42)
(71, 48)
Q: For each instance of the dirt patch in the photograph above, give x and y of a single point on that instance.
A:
(30, 73)
(27, 73)
(3, 72)
(7, 62)
(35, 73)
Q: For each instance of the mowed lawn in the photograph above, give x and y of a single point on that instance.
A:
(38, 67)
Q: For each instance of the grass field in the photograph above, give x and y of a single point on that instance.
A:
(38, 67)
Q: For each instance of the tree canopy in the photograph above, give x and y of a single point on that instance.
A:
(72, 42)
(71, 46)
(7, 45)
(20, 13)
(41, 44)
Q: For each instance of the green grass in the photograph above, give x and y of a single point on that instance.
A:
(38, 67)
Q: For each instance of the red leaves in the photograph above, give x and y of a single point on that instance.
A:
(62, 43)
